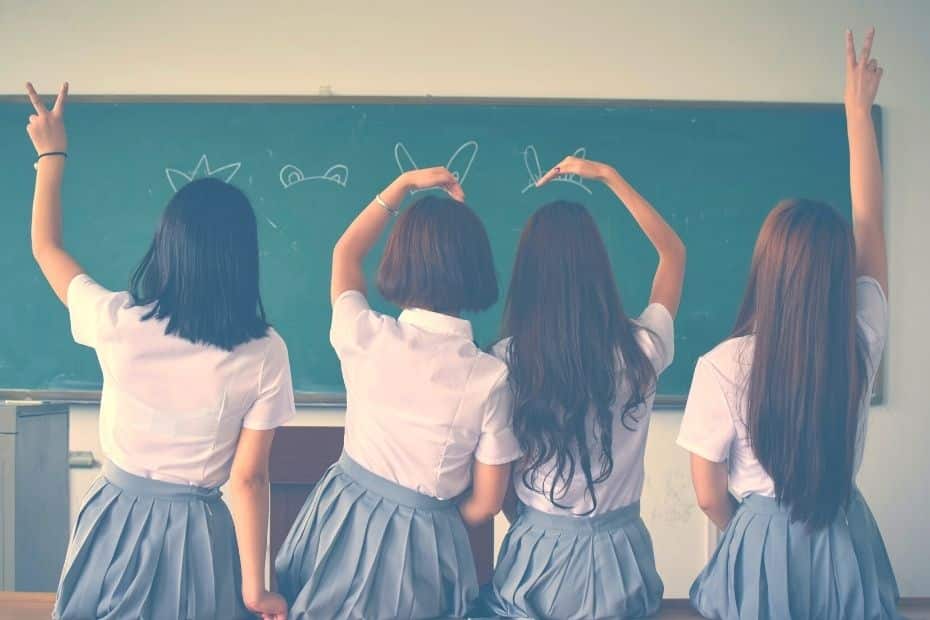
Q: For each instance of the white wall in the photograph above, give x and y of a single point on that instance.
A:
(772, 51)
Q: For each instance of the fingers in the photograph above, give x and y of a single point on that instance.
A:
(59, 107)
(565, 166)
(867, 46)
(455, 191)
(35, 99)
(850, 51)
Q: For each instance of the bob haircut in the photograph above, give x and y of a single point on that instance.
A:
(438, 258)
(201, 271)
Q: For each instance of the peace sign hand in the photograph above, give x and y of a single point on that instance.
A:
(863, 74)
(46, 127)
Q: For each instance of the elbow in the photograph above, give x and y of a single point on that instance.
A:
(711, 504)
(251, 481)
(678, 251)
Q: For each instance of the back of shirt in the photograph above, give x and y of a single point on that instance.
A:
(422, 401)
(714, 425)
(171, 409)
(655, 336)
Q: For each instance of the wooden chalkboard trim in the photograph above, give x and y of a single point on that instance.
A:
(428, 99)
(302, 399)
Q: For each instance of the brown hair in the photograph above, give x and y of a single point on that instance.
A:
(808, 373)
(438, 258)
(571, 348)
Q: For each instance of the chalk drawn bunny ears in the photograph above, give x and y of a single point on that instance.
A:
(177, 178)
(531, 161)
(459, 164)
(291, 175)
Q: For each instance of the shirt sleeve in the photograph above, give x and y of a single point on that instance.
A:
(354, 323)
(91, 307)
(872, 319)
(657, 338)
(497, 443)
(707, 427)
(274, 405)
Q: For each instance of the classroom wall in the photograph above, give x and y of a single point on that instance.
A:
(758, 51)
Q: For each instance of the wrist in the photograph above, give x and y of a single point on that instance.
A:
(858, 113)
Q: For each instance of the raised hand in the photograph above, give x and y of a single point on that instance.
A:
(427, 178)
(863, 74)
(575, 165)
(46, 127)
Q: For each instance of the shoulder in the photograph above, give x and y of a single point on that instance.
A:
(731, 359)
(655, 334)
(501, 350)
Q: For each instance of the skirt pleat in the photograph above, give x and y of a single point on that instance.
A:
(149, 549)
(769, 567)
(569, 568)
(366, 548)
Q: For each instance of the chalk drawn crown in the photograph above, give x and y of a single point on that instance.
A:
(177, 178)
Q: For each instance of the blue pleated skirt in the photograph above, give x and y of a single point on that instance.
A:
(149, 549)
(768, 567)
(568, 568)
(366, 548)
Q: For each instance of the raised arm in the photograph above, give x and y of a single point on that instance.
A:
(46, 129)
(670, 273)
(863, 76)
(367, 227)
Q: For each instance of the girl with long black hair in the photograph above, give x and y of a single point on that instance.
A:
(583, 377)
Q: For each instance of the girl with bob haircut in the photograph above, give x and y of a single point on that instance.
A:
(194, 384)
(776, 416)
(428, 443)
(583, 377)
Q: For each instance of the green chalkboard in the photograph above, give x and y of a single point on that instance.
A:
(713, 169)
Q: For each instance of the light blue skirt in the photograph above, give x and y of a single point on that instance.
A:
(149, 549)
(568, 568)
(366, 548)
(768, 567)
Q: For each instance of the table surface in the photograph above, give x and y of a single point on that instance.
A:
(38, 605)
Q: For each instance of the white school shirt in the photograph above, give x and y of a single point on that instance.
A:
(714, 424)
(170, 409)
(422, 400)
(655, 335)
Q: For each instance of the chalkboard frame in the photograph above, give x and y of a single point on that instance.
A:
(338, 399)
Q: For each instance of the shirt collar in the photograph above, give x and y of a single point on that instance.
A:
(437, 323)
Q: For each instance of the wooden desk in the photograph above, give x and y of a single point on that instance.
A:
(38, 606)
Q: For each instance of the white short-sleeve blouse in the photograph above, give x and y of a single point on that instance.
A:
(714, 424)
(655, 334)
(170, 409)
(422, 400)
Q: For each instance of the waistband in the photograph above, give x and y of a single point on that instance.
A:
(597, 523)
(390, 490)
(765, 505)
(147, 487)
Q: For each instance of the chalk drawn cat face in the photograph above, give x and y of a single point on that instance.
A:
(531, 161)
(178, 179)
(291, 175)
(459, 164)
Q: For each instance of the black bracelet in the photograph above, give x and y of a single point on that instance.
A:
(49, 154)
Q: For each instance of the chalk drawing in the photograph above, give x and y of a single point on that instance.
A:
(291, 175)
(178, 178)
(531, 161)
(459, 164)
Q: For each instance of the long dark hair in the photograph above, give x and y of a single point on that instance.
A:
(570, 342)
(808, 371)
(201, 271)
